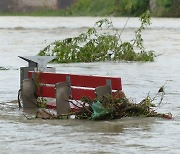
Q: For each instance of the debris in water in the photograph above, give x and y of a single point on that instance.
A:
(3, 68)
(111, 107)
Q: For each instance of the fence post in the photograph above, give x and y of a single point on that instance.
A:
(28, 94)
(62, 98)
(101, 91)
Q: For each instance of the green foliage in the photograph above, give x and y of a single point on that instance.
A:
(132, 7)
(108, 8)
(167, 8)
(165, 3)
(41, 102)
(101, 43)
(91, 8)
(35, 13)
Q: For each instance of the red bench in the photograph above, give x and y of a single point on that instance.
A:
(80, 85)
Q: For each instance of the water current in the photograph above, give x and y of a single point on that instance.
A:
(26, 36)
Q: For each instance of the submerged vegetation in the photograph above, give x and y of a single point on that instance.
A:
(111, 107)
(116, 108)
(100, 43)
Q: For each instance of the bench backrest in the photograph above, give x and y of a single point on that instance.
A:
(81, 85)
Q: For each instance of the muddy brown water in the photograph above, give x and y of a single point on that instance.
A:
(25, 36)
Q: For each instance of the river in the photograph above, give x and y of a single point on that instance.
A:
(26, 36)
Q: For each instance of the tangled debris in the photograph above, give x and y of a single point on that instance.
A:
(116, 108)
(112, 107)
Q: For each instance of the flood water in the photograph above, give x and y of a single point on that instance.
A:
(26, 36)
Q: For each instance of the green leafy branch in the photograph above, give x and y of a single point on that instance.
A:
(101, 43)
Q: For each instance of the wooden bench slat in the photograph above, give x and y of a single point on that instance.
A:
(47, 91)
(77, 93)
(79, 80)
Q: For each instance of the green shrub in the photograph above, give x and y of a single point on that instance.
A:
(132, 7)
(92, 8)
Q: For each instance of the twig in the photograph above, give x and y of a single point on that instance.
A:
(124, 27)
(83, 106)
(28, 118)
